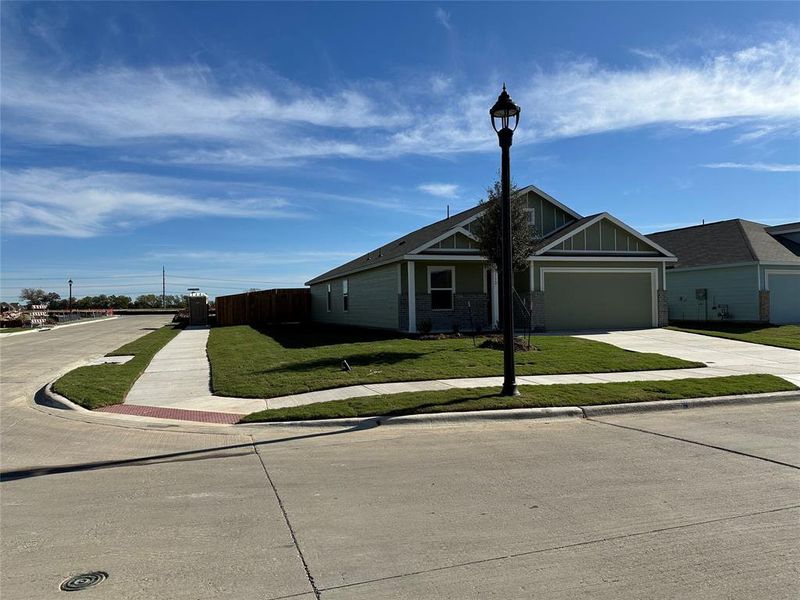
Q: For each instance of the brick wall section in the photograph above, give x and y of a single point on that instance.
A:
(536, 303)
(443, 320)
(763, 306)
(663, 309)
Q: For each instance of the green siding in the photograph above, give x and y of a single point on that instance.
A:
(469, 275)
(737, 287)
(373, 299)
(784, 296)
(603, 236)
(547, 216)
(598, 300)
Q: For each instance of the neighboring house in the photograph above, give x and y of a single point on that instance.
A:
(587, 273)
(734, 270)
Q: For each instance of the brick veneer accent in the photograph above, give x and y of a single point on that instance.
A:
(466, 317)
(663, 308)
(763, 305)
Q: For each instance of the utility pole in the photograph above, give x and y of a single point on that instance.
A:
(163, 287)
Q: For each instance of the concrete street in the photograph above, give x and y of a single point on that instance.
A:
(701, 503)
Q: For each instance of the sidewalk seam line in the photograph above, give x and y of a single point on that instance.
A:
(310, 577)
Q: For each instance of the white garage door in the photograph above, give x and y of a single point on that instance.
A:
(784, 297)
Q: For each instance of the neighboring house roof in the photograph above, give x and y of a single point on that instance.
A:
(398, 248)
(726, 242)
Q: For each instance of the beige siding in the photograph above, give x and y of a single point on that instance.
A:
(373, 299)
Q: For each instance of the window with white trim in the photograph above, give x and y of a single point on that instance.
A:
(346, 295)
(441, 287)
(531, 216)
(329, 297)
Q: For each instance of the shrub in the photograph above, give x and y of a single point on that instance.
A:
(425, 326)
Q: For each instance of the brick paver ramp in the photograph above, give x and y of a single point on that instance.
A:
(158, 412)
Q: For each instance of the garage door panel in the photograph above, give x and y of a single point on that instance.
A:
(577, 300)
(784, 298)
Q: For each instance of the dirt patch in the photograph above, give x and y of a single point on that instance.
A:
(495, 342)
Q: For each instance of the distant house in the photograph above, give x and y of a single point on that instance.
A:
(590, 272)
(734, 270)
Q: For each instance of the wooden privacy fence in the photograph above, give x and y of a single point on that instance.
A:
(265, 307)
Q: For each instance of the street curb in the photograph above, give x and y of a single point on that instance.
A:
(47, 397)
(548, 413)
(55, 327)
(601, 410)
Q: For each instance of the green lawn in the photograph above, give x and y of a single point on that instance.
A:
(531, 396)
(784, 336)
(102, 385)
(251, 364)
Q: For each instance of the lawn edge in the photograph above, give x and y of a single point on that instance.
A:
(553, 412)
(721, 335)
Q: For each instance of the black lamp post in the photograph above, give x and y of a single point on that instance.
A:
(70, 296)
(501, 114)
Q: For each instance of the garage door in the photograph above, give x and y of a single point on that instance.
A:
(579, 300)
(784, 298)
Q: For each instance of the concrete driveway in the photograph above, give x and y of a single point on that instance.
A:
(730, 357)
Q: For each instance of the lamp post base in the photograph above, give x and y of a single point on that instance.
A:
(509, 389)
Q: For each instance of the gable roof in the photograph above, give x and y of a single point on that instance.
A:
(559, 235)
(398, 248)
(726, 242)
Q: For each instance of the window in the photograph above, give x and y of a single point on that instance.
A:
(329, 297)
(441, 287)
(531, 216)
(345, 295)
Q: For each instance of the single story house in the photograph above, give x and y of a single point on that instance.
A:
(591, 272)
(734, 270)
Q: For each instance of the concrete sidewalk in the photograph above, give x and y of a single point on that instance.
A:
(179, 375)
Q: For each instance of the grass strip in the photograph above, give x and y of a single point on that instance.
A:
(782, 336)
(16, 329)
(531, 396)
(102, 385)
(248, 363)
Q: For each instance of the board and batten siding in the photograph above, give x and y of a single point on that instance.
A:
(373, 299)
(736, 287)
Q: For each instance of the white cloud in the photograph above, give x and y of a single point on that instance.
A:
(703, 127)
(79, 204)
(442, 190)
(443, 17)
(769, 167)
(184, 115)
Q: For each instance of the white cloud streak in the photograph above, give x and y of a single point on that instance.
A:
(768, 167)
(442, 190)
(184, 115)
(79, 204)
(443, 17)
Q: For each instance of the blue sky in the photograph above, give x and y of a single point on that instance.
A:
(258, 145)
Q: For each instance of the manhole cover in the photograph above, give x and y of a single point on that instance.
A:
(83, 581)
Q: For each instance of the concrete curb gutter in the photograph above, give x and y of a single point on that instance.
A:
(637, 407)
(47, 397)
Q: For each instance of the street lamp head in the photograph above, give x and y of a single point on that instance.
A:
(70, 282)
(503, 111)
